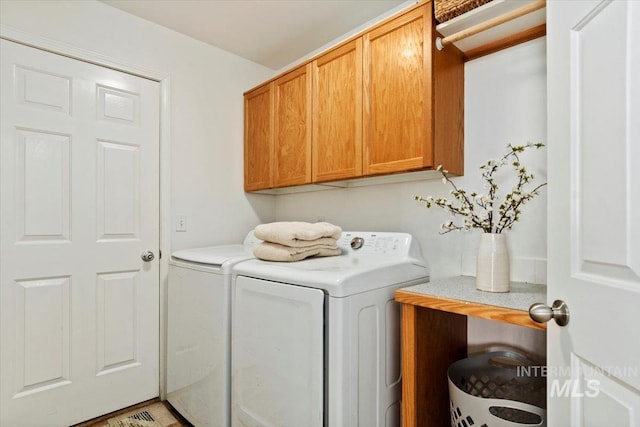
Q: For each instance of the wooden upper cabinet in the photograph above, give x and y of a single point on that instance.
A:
(258, 138)
(337, 113)
(292, 128)
(397, 76)
(413, 98)
(382, 102)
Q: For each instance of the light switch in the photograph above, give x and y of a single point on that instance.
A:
(181, 223)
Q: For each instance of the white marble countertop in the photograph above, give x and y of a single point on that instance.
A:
(463, 288)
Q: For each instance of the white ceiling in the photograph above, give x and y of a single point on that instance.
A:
(273, 33)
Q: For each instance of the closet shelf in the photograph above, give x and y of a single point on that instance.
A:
(496, 25)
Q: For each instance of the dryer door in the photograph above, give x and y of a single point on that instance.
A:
(277, 355)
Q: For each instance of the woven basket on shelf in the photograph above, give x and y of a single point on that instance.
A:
(445, 10)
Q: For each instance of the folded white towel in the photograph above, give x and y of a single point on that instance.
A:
(303, 244)
(296, 233)
(275, 252)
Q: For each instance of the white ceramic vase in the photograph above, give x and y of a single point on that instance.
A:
(492, 265)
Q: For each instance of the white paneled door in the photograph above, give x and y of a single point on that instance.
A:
(79, 204)
(594, 211)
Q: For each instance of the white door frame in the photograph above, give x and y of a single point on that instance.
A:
(96, 58)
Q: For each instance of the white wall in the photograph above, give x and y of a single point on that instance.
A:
(505, 101)
(206, 107)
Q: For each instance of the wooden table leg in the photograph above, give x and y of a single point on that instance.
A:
(409, 365)
(431, 341)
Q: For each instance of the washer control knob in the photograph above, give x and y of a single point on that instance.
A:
(357, 242)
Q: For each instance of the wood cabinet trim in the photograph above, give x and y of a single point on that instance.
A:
(506, 42)
(425, 159)
(305, 176)
(265, 182)
(419, 3)
(400, 20)
(483, 311)
(448, 108)
(336, 52)
(291, 74)
(346, 160)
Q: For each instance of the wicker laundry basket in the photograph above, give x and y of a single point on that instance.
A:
(495, 390)
(445, 10)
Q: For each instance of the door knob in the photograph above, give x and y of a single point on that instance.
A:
(147, 256)
(542, 313)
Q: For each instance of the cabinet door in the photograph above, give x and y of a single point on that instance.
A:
(337, 113)
(397, 94)
(258, 138)
(292, 136)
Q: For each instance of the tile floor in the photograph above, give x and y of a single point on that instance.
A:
(161, 412)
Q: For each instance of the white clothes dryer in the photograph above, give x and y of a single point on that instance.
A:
(198, 331)
(317, 342)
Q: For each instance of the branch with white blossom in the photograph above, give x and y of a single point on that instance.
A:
(478, 211)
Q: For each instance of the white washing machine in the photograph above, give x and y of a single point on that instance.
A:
(317, 342)
(198, 335)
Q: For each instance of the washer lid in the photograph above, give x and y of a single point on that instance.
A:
(369, 260)
(340, 276)
(215, 255)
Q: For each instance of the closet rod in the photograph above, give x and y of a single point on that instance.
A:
(442, 42)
